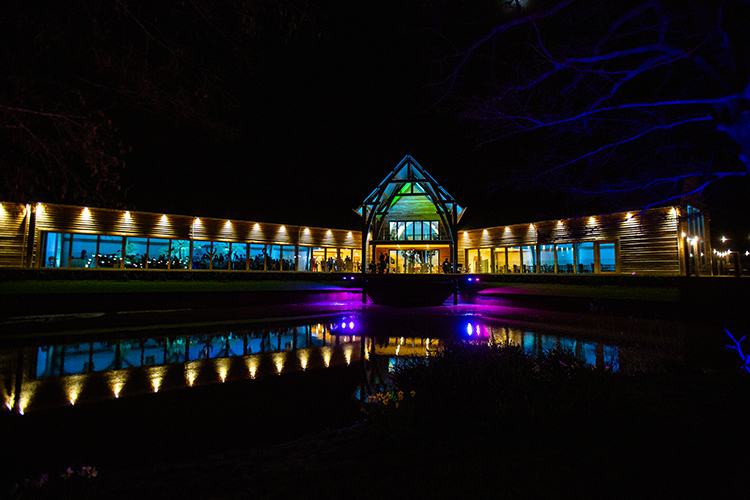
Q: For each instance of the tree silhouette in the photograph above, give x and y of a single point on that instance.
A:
(75, 74)
(636, 102)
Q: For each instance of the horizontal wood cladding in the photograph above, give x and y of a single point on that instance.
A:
(62, 218)
(12, 230)
(412, 208)
(648, 241)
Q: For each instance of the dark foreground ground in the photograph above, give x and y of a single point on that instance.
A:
(679, 435)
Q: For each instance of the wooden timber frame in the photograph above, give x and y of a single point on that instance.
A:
(408, 179)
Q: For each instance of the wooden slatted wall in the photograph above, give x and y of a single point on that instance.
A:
(12, 229)
(648, 242)
(64, 219)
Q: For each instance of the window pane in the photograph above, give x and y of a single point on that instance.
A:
(528, 256)
(239, 256)
(401, 231)
(220, 256)
(84, 250)
(76, 359)
(110, 252)
(287, 257)
(158, 253)
(180, 255)
(357, 257)
(201, 255)
(607, 257)
(257, 253)
(514, 260)
(409, 232)
(393, 230)
(346, 255)
(304, 257)
(54, 250)
(135, 253)
(318, 262)
(485, 256)
(473, 260)
(565, 258)
(547, 258)
(435, 230)
(274, 257)
(500, 260)
(585, 257)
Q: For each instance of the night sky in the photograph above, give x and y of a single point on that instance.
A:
(324, 113)
(326, 122)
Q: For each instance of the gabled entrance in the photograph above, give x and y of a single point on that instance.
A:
(409, 224)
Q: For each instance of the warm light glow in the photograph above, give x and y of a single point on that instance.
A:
(164, 218)
(116, 390)
(39, 208)
(72, 397)
(256, 226)
(86, 212)
(723, 238)
(329, 232)
(507, 228)
(349, 234)
(127, 215)
(559, 223)
(485, 232)
(683, 234)
(156, 383)
(307, 229)
(282, 228)
(228, 223)
(303, 359)
(327, 356)
(252, 365)
(278, 360)
(629, 215)
(348, 353)
(592, 220)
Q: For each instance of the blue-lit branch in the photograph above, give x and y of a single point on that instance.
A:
(737, 347)
(621, 78)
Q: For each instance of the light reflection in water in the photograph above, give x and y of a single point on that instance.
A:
(137, 366)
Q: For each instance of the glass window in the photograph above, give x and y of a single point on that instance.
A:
(585, 257)
(547, 258)
(220, 256)
(201, 255)
(288, 258)
(274, 258)
(110, 252)
(83, 251)
(485, 260)
(318, 260)
(393, 230)
(607, 257)
(257, 257)
(180, 255)
(500, 264)
(401, 234)
(346, 256)
(304, 259)
(56, 250)
(409, 232)
(528, 258)
(158, 253)
(434, 230)
(565, 263)
(238, 252)
(136, 253)
(357, 258)
(514, 260)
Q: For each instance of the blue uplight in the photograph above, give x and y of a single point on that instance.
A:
(469, 329)
(343, 325)
(351, 325)
(470, 279)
